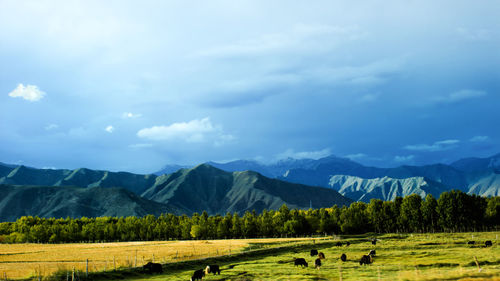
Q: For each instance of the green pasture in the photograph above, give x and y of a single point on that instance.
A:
(440, 256)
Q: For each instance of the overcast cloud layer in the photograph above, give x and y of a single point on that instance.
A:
(125, 85)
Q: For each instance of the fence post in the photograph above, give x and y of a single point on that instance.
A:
(67, 275)
(153, 257)
(87, 269)
(477, 263)
(135, 264)
(73, 274)
(340, 272)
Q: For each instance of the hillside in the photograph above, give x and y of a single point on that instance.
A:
(472, 175)
(385, 188)
(206, 188)
(45, 192)
(61, 202)
(474, 164)
(22, 175)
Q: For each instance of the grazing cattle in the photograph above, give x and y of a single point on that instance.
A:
(213, 268)
(300, 261)
(347, 243)
(343, 257)
(314, 253)
(488, 243)
(321, 255)
(365, 260)
(317, 263)
(151, 267)
(372, 253)
(338, 244)
(471, 242)
(374, 241)
(198, 275)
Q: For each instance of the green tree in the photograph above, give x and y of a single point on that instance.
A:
(375, 211)
(410, 215)
(355, 219)
(429, 213)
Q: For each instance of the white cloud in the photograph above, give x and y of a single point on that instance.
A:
(49, 168)
(474, 34)
(51, 127)
(194, 131)
(437, 146)
(300, 38)
(479, 139)
(458, 96)
(110, 129)
(28, 92)
(356, 156)
(127, 115)
(140, 145)
(317, 154)
(369, 98)
(401, 159)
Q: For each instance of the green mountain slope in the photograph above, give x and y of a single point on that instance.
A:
(60, 202)
(82, 177)
(206, 188)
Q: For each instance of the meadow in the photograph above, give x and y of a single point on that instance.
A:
(440, 256)
(21, 261)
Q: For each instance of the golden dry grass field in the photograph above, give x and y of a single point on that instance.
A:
(19, 261)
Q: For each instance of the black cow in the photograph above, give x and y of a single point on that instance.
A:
(198, 275)
(374, 241)
(372, 253)
(151, 267)
(343, 257)
(365, 260)
(314, 253)
(213, 268)
(347, 243)
(300, 261)
(338, 244)
(471, 242)
(321, 255)
(317, 263)
(488, 243)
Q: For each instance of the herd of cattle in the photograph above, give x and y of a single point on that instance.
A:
(487, 243)
(365, 259)
(215, 269)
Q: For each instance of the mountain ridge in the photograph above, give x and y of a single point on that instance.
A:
(233, 191)
(202, 188)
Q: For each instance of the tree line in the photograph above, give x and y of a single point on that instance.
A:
(453, 211)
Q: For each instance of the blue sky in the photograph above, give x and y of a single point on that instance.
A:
(135, 85)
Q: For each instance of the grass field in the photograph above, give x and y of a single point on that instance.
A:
(24, 260)
(399, 257)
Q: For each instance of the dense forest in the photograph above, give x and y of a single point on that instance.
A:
(453, 211)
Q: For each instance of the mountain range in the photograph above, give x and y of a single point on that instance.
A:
(236, 186)
(85, 192)
(472, 175)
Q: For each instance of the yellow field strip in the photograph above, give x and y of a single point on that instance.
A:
(24, 260)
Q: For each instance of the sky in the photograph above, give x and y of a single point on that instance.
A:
(135, 85)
